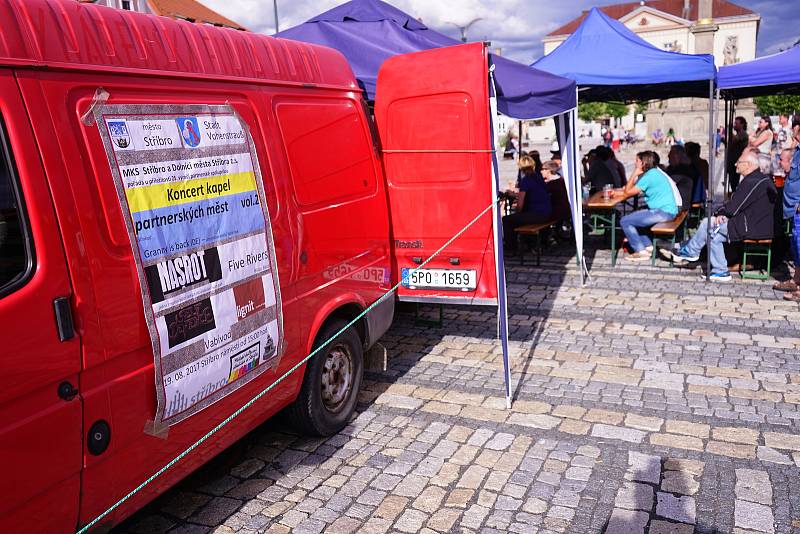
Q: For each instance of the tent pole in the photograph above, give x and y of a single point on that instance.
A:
(725, 154)
(502, 300)
(711, 154)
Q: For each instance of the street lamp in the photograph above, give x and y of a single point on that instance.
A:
(463, 29)
(275, 6)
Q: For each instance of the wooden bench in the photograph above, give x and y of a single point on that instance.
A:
(761, 248)
(668, 229)
(532, 230)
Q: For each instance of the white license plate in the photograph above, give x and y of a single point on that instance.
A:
(452, 279)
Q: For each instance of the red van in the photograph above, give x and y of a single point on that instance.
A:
(81, 87)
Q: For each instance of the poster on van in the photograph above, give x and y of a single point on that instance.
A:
(190, 187)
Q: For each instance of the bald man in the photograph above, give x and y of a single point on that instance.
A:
(749, 214)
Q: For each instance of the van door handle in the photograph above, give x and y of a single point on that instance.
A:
(64, 323)
(67, 391)
(303, 257)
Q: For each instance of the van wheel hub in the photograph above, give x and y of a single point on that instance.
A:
(337, 377)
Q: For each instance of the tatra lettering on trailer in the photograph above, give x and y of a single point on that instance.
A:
(190, 187)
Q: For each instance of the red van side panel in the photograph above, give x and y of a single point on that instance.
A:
(117, 380)
(40, 433)
(432, 111)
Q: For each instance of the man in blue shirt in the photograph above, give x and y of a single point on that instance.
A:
(791, 211)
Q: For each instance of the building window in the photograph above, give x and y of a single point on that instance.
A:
(126, 4)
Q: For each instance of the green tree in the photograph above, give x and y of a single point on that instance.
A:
(616, 109)
(591, 111)
(778, 104)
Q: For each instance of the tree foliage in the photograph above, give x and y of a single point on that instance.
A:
(616, 109)
(591, 111)
(778, 104)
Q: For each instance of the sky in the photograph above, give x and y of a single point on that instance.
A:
(517, 26)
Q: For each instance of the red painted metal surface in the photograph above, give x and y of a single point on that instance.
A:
(40, 434)
(333, 251)
(432, 111)
(321, 247)
(70, 34)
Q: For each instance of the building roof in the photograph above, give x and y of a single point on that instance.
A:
(720, 9)
(193, 11)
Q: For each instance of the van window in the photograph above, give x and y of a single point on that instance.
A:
(329, 151)
(442, 122)
(14, 258)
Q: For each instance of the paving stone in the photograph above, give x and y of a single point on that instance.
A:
(569, 412)
(779, 440)
(542, 421)
(641, 422)
(754, 516)
(500, 442)
(733, 450)
(677, 442)
(754, 486)
(596, 415)
(657, 526)
(736, 435)
(411, 521)
(444, 519)
(679, 482)
(681, 509)
(768, 454)
(430, 499)
(626, 522)
(634, 496)
(687, 428)
(615, 432)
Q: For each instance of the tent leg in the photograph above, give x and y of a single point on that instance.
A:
(502, 296)
(711, 153)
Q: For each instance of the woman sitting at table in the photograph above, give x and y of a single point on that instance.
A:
(533, 203)
(661, 196)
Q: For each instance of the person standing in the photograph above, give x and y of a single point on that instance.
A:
(784, 134)
(761, 140)
(790, 161)
(662, 199)
(738, 143)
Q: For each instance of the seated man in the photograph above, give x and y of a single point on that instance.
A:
(533, 203)
(662, 199)
(749, 214)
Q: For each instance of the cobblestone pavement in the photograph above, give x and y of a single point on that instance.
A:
(647, 401)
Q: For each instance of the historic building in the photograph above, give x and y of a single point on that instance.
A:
(718, 27)
(190, 10)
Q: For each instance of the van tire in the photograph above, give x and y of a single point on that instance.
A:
(323, 409)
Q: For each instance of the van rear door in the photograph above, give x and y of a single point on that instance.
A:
(433, 118)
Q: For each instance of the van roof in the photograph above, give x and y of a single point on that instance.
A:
(73, 35)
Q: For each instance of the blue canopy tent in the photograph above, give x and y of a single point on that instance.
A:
(367, 32)
(768, 75)
(611, 63)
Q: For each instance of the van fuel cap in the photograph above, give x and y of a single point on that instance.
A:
(99, 438)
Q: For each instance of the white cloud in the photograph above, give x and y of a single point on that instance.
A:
(515, 25)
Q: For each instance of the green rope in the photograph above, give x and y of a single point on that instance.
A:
(255, 399)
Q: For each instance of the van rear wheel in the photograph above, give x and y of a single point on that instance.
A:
(331, 383)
